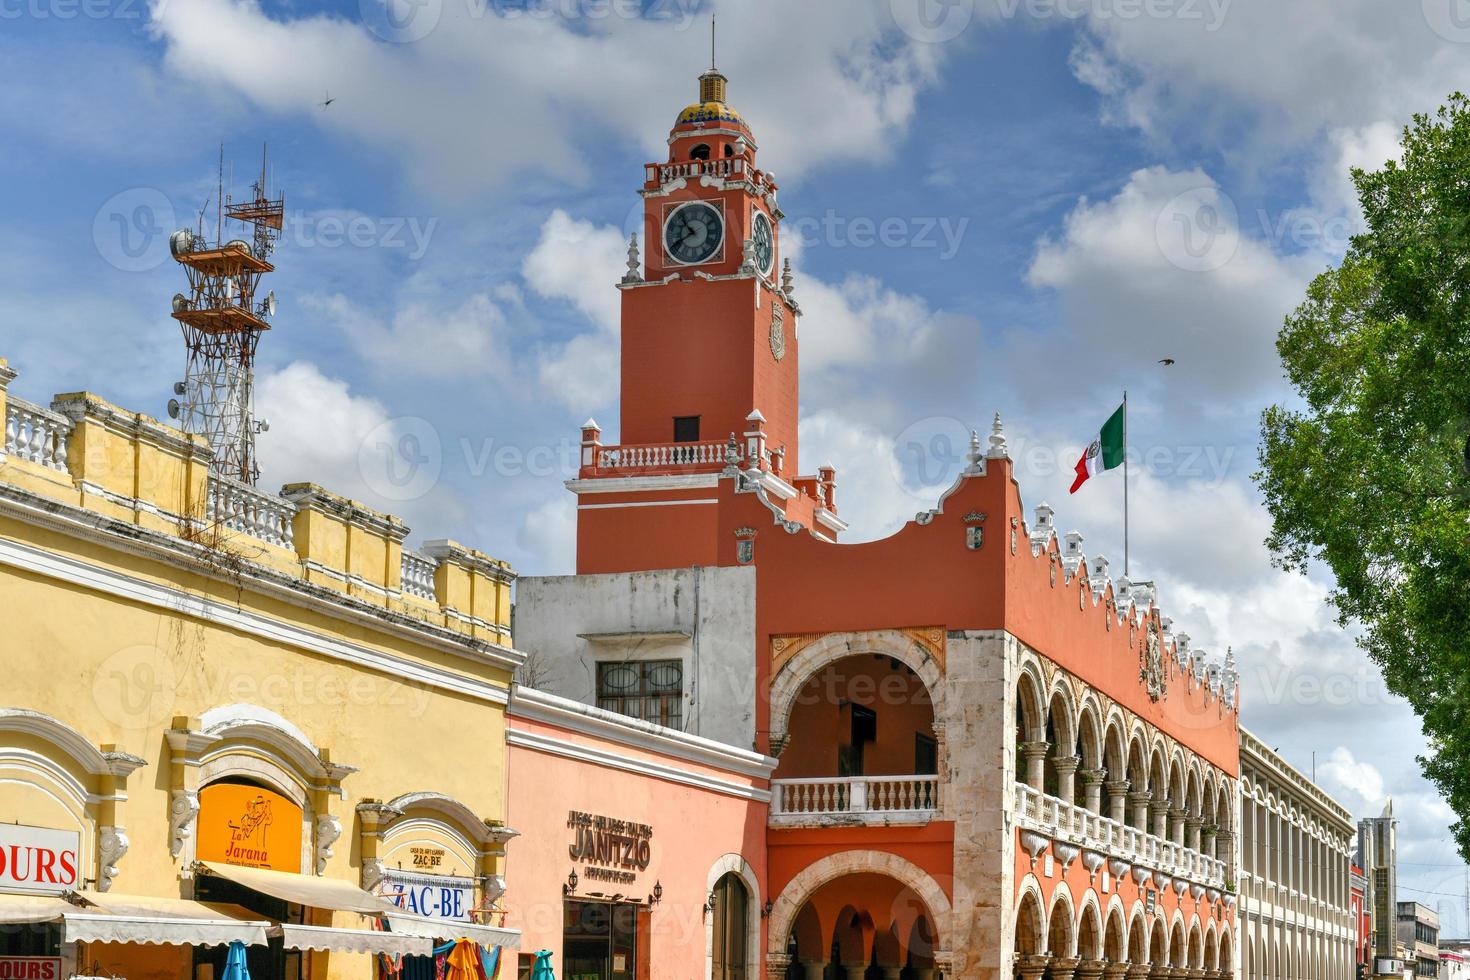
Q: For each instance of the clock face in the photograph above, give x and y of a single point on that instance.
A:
(693, 233)
(765, 242)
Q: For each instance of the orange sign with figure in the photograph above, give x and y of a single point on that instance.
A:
(249, 826)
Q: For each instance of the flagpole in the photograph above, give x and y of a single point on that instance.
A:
(1125, 482)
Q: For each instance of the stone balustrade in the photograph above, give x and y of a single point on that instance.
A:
(686, 169)
(418, 574)
(36, 434)
(1078, 825)
(243, 509)
(656, 456)
(853, 799)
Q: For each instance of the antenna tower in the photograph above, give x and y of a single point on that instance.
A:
(222, 323)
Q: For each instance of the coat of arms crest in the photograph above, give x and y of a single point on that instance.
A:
(1151, 666)
(778, 330)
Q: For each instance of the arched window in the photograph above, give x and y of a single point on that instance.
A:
(700, 152)
(732, 928)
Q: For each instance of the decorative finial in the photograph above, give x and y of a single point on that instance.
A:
(712, 42)
(748, 263)
(997, 439)
(788, 278)
(633, 274)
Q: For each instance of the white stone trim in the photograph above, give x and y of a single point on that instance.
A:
(831, 521)
(642, 484)
(735, 864)
(598, 757)
(112, 582)
(584, 719)
(648, 503)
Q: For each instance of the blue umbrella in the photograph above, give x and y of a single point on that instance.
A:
(542, 968)
(235, 968)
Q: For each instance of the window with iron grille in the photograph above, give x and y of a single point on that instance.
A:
(652, 690)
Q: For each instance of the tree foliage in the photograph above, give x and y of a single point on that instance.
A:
(1369, 474)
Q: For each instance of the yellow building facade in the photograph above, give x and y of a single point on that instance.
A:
(234, 715)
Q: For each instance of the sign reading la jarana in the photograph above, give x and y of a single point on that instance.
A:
(249, 826)
(612, 850)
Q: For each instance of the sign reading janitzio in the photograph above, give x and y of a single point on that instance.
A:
(36, 859)
(612, 850)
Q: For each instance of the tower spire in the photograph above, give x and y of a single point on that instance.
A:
(712, 43)
(712, 83)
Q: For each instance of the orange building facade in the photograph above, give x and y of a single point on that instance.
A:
(994, 759)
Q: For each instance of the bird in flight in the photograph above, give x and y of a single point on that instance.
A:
(329, 100)
(1167, 361)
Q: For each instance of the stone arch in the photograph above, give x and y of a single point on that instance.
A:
(1115, 933)
(737, 865)
(1061, 926)
(1115, 748)
(1225, 953)
(1158, 943)
(1211, 948)
(789, 903)
(1178, 945)
(1089, 735)
(833, 647)
(1030, 921)
(1138, 936)
(1061, 715)
(1195, 946)
(1090, 928)
(255, 742)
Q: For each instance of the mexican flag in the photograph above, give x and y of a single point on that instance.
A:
(1106, 450)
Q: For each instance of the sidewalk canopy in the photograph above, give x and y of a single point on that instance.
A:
(318, 893)
(353, 940)
(329, 894)
(18, 910)
(447, 930)
(160, 921)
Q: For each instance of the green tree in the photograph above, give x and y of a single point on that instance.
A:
(1369, 474)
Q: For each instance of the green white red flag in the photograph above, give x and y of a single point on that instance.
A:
(1106, 451)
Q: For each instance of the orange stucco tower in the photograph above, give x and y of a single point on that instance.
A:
(710, 355)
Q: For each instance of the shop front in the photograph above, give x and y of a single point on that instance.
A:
(643, 852)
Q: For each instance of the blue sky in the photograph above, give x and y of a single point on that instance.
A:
(1073, 188)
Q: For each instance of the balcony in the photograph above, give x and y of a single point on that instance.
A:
(1078, 825)
(846, 801)
(674, 455)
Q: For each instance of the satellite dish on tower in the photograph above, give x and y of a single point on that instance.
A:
(180, 388)
(181, 242)
(270, 303)
(181, 303)
(173, 408)
(242, 245)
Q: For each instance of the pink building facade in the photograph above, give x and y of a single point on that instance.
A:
(643, 854)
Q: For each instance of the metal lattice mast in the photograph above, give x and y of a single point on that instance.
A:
(222, 323)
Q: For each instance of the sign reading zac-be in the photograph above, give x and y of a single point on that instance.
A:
(249, 826)
(35, 859)
(613, 850)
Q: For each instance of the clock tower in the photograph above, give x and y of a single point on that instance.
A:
(710, 353)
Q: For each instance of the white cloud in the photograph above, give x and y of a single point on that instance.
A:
(515, 92)
(320, 432)
(1347, 778)
(1162, 269)
(581, 263)
(870, 495)
(858, 321)
(460, 342)
(549, 531)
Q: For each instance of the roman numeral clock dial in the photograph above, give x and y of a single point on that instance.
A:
(693, 233)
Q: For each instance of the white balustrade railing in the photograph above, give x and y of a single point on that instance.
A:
(669, 454)
(418, 574)
(243, 509)
(700, 168)
(36, 434)
(795, 799)
(1050, 815)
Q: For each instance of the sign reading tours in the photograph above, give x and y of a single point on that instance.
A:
(36, 859)
(30, 968)
(611, 850)
(250, 827)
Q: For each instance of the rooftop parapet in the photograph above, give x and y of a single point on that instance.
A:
(85, 453)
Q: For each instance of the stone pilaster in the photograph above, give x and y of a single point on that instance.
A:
(1176, 824)
(1117, 799)
(776, 964)
(1065, 968)
(1115, 971)
(1032, 966)
(1092, 787)
(1033, 757)
(1091, 969)
(1192, 825)
(1066, 767)
(1159, 811)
